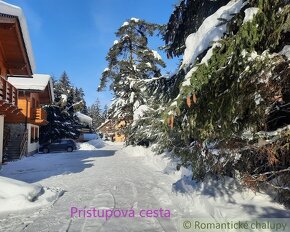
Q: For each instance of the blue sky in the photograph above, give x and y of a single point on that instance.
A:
(75, 36)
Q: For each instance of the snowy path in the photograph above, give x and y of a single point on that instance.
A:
(102, 179)
(116, 178)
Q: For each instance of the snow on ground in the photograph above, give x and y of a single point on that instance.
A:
(17, 195)
(132, 178)
(91, 145)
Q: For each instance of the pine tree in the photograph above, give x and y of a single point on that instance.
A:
(65, 84)
(129, 61)
(62, 121)
(105, 112)
(61, 125)
(95, 112)
(62, 88)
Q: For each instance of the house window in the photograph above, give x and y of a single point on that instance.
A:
(32, 135)
(36, 134)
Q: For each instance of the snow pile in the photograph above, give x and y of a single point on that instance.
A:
(17, 195)
(88, 136)
(92, 145)
(250, 13)
(84, 118)
(211, 30)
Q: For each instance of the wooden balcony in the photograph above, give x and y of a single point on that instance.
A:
(39, 116)
(8, 97)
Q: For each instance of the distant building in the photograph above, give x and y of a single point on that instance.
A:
(113, 130)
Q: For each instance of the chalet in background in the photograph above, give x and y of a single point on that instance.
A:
(113, 130)
(21, 92)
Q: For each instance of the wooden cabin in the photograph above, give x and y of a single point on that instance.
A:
(16, 59)
(22, 93)
(33, 93)
(113, 130)
(119, 133)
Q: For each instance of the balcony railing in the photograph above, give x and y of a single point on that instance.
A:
(38, 114)
(8, 93)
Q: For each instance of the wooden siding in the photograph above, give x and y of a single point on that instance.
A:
(28, 104)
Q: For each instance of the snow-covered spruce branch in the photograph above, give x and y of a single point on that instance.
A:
(272, 173)
(263, 178)
(145, 80)
(75, 104)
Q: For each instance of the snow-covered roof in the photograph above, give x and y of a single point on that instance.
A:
(10, 9)
(84, 118)
(103, 124)
(38, 82)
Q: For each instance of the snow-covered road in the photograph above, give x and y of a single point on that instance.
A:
(102, 179)
(115, 178)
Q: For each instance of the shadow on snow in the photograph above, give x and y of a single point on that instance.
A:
(42, 166)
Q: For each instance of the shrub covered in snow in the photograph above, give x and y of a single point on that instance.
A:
(242, 89)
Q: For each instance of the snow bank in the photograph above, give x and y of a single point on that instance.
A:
(88, 136)
(223, 198)
(92, 145)
(17, 195)
(211, 30)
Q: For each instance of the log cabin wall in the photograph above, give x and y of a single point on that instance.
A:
(28, 102)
